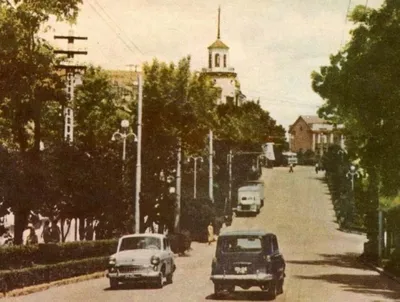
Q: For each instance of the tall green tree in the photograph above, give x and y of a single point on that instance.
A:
(360, 89)
(27, 81)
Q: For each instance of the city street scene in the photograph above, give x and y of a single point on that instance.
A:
(193, 151)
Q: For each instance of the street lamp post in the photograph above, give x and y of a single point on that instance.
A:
(195, 158)
(123, 136)
(353, 172)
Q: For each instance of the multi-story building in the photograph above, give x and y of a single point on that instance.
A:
(220, 71)
(310, 132)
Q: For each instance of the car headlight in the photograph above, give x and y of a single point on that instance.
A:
(112, 261)
(155, 260)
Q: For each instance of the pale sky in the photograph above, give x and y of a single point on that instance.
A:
(274, 44)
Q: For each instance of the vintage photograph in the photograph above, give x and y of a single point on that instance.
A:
(199, 150)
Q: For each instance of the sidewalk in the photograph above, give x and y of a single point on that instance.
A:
(380, 270)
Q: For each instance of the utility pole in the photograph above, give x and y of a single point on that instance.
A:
(210, 160)
(139, 154)
(71, 70)
(178, 187)
(230, 156)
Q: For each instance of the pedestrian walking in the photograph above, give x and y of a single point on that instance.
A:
(46, 232)
(316, 168)
(291, 168)
(89, 231)
(210, 232)
(32, 237)
(55, 233)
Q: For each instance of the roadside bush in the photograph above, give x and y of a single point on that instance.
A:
(54, 253)
(40, 274)
(16, 257)
(393, 265)
(180, 242)
(196, 216)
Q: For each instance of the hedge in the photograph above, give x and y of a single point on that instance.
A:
(393, 266)
(16, 257)
(40, 274)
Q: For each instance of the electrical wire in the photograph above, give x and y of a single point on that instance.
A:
(113, 29)
(345, 23)
(119, 28)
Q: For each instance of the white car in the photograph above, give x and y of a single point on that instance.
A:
(142, 258)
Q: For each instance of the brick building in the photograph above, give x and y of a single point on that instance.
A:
(309, 132)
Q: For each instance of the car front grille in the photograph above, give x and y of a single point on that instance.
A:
(131, 269)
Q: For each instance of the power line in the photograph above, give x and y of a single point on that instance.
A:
(116, 24)
(345, 23)
(112, 28)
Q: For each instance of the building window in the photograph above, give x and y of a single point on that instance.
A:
(224, 60)
(210, 60)
(301, 128)
(217, 60)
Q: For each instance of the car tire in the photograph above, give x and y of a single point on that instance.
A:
(113, 283)
(230, 289)
(169, 278)
(280, 287)
(217, 289)
(160, 281)
(272, 291)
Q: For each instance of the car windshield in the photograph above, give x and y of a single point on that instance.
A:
(240, 244)
(140, 243)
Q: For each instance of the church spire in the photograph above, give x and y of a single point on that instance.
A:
(219, 22)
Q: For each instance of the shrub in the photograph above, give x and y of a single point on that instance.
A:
(54, 253)
(393, 265)
(180, 242)
(16, 257)
(40, 274)
(196, 216)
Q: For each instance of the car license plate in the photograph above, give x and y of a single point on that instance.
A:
(241, 270)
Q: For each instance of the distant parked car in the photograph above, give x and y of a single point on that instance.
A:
(142, 258)
(248, 258)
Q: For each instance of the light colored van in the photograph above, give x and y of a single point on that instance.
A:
(249, 200)
(260, 184)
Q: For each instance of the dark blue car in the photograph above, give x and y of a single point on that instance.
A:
(248, 258)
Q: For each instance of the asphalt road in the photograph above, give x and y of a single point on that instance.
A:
(321, 260)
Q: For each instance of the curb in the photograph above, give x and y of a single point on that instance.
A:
(380, 270)
(41, 287)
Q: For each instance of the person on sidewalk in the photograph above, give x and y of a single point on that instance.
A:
(46, 232)
(32, 237)
(210, 232)
(316, 168)
(291, 168)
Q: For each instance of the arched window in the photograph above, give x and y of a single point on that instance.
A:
(224, 60)
(210, 60)
(217, 60)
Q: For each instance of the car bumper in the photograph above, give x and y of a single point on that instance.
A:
(239, 279)
(246, 210)
(134, 276)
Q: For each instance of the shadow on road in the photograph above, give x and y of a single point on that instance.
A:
(357, 283)
(362, 284)
(348, 260)
(240, 296)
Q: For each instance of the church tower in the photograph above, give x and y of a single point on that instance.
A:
(219, 70)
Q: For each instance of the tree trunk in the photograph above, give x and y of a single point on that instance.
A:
(20, 223)
(81, 228)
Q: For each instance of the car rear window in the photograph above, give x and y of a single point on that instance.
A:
(241, 244)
